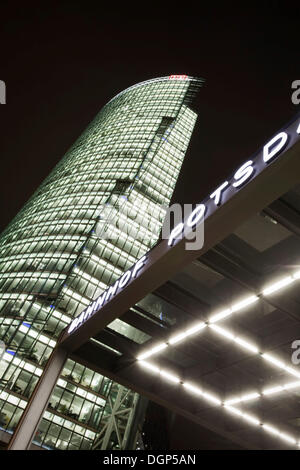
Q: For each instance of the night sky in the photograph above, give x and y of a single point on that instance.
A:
(62, 64)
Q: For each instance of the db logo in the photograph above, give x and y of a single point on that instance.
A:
(2, 92)
(178, 77)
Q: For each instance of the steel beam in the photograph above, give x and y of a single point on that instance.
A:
(33, 413)
(164, 261)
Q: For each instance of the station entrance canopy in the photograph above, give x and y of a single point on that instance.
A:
(214, 326)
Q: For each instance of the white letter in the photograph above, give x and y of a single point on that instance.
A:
(99, 302)
(175, 233)
(216, 195)
(73, 325)
(88, 311)
(112, 290)
(298, 129)
(282, 137)
(196, 215)
(81, 318)
(125, 279)
(138, 266)
(243, 173)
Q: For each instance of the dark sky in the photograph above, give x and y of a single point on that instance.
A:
(62, 64)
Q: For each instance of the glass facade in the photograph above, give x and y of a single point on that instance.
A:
(100, 210)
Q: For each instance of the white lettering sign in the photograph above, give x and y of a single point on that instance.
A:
(270, 151)
(242, 175)
(108, 294)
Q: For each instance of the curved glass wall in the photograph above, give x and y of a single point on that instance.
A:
(100, 209)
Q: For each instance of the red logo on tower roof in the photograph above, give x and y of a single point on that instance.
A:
(178, 77)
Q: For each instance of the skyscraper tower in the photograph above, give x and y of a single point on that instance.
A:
(100, 209)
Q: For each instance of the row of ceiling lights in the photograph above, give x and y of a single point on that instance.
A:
(227, 404)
